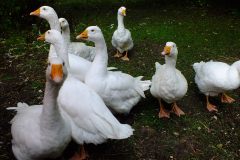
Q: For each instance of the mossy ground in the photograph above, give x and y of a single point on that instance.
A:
(201, 34)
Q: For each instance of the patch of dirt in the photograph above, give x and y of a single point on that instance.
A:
(147, 144)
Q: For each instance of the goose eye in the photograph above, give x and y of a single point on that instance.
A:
(44, 8)
(48, 32)
(63, 63)
(49, 63)
(92, 30)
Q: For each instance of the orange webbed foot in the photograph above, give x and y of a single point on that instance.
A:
(125, 58)
(82, 155)
(163, 113)
(211, 108)
(177, 110)
(118, 54)
(226, 99)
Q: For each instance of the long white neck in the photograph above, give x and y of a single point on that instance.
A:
(100, 62)
(120, 23)
(61, 50)
(170, 61)
(50, 112)
(66, 34)
(54, 22)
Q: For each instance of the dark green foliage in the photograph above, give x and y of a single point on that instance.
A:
(14, 13)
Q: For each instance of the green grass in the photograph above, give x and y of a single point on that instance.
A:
(6, 77)
(201, 35)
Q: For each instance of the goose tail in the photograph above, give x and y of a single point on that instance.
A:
(142, 86)
(157, 65)
(125, 131)
(19, 107)
(198, 66)
(20, 110)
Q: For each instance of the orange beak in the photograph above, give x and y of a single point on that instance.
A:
(83, 35)
(124, 12)
(167, 50)
(41, 37)
(57, 72)
(35, 13)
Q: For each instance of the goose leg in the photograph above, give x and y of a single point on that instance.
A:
(210, 107)
(81, 155)
(125, 58)
(118, 54)
(163, 113)
(177, 110)
(226, 99)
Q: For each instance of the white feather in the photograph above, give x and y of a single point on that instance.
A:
(120, 91)
(91, 120)
(40, 131)
(122, 39)
(213, 78)
(168, 83)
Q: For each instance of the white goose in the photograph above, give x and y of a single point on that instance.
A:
(40, 131)
(168, 83)
(49, 14)
(122, 39)
(92, 121)
(214, 78)
(77, 48)
(78, 65)
(120, 91)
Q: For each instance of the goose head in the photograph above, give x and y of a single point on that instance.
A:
(92, 33)
(56, 71)
(51, 36)
(170, 50)
(63, 23)
(122, 11)
(55, 38)
(45, 12)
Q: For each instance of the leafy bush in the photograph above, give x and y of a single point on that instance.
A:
(15, 12)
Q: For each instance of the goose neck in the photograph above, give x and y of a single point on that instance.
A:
(54, 22)
(170, 61)
(100, 44)
(66, 34)
(100, 61)
(50, 113)
(120, 23)
(61, 50)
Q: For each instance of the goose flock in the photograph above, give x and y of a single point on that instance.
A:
(82, 93)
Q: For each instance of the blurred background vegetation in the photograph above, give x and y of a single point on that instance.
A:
(15, 13)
